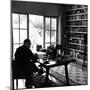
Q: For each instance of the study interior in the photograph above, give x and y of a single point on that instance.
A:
(59, 35)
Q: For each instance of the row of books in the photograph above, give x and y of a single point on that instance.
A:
(77, 11)
(83, 57)
(75, 29)
(77, 41)
(76, 47)
(78, 55)
(76, 23)
(76, 17)
(78, 35)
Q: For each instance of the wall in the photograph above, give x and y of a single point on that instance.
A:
(46, 9)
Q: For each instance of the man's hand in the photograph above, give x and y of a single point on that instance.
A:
(36, 55)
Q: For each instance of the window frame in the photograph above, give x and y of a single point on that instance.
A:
(44, 38)
(19, 28)
(51, 17)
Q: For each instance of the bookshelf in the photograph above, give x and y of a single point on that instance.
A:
(76, 31)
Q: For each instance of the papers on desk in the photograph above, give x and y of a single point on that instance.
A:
(40, 60)
(38, 52)
(49, 63)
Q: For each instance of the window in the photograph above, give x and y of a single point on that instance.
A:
(19, 27)
(40, 30)
(50, 31)
(40, 35)
(36, 31)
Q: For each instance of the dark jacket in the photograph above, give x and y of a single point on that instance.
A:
(23, 54)
(23, 57)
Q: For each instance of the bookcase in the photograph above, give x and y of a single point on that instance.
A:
(76, 31)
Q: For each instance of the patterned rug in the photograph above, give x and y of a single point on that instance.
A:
(77, 75)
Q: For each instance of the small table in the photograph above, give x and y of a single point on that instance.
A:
(64, 61)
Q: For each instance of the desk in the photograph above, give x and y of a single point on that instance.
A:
(51, 64)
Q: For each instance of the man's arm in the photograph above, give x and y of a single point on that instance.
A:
(32, 56)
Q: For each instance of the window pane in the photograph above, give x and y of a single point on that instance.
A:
(36, 37)
(15, 35)
(36, 31)
(53, 26)
(21, 44)
(47, 23)
(53, 36)
(47, 36)
(15, 46)
(23, 35)
(15, 20)
(23, 21)
(36, 21)
(46, 45)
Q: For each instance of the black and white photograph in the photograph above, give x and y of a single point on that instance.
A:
(49, 45)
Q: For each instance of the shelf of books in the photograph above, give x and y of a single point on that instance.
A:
(76, 29)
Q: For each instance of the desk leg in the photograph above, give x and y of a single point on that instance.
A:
(47, 74)
(47, 83)
(66, 73)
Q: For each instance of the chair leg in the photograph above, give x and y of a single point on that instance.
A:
(16, 84)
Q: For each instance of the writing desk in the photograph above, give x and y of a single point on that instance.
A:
(51, 64)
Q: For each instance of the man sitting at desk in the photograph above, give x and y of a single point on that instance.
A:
(26, 61)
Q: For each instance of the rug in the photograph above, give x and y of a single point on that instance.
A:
(77, 75)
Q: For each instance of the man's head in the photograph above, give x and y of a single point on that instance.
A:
(27, 43)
